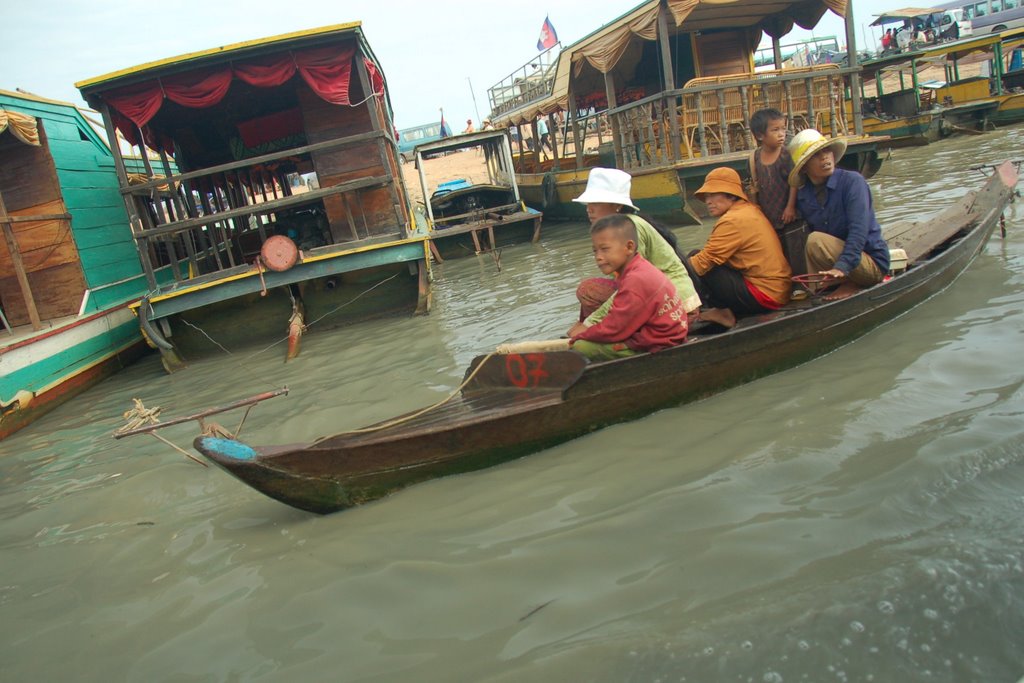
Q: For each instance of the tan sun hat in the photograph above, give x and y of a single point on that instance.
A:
(607, 186)
(722, 179)
(805, 145)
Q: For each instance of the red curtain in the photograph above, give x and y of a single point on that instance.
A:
(327, 71)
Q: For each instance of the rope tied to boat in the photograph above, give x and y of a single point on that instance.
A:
(141, 416)
(406, 418)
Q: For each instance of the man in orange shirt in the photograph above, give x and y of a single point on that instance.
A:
(741, 268)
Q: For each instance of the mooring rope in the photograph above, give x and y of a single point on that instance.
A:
(140, 416)
(406, 418)
(304, 327)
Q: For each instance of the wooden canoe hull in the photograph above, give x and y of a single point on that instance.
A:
(496, 420)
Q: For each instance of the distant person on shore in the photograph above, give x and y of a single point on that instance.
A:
(846, 239)
(769, 172)
(607, 194)
(903, 37)
(646, 314)
(545, 137)
(741, 268)
(469, 127)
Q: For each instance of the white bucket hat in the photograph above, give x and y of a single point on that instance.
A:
(607, 186)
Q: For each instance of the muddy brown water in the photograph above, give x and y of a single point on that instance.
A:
(858, 518)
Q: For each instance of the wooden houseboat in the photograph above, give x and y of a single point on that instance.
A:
(481, 210)
(288, 206)
(920, 111)
(665, 92)
(68, 265)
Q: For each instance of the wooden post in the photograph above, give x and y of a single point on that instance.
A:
(552, 128)
(699, 99)
(917, 87)
(536, 145)
(809, 91)
(777, 52)
(219, 205)
(658, 151)
(180, 210)
(851, 51)
(129, 201)
(168, 240)
(997, 57)
(19, 266)
(378, 124)
(673, 138)
(609, 90)
(574, 118)
(833, 119)
(789, 104)
(723, 124)
(744, 93)
(211, 227)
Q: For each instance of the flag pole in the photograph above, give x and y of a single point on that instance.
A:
(473, 95)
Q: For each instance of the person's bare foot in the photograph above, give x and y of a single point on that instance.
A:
(843, 291)
(722, 316)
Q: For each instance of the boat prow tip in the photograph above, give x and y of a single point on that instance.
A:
(217, 448)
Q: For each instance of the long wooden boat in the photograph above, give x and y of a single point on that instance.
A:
(68, 266)
(481, 212)
(918, 113)
(288, 203)
(516, 404)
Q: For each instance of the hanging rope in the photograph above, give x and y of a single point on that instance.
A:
(140, 416)
(412, 416)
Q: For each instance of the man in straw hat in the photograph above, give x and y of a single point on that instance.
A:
(846, 239)
(741, 268)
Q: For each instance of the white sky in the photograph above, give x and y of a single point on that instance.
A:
(430, 51)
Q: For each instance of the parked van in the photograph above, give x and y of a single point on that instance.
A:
(408, 138)
(990, 16)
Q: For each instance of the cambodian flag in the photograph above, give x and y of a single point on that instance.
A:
(548, 38)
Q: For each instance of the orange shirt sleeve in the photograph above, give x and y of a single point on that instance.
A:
(722, 243)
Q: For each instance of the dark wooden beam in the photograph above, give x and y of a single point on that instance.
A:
(19, 266)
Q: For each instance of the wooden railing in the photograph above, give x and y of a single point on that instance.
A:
(710, 116)
(216, 218)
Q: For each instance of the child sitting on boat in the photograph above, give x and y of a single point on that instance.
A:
(646, 313)
(608, 193)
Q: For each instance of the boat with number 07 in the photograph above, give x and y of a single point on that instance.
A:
(511, 405)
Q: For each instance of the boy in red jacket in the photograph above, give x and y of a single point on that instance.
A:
(646, 313)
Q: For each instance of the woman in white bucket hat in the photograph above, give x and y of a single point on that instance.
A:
(607, 193)
(845, 239)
